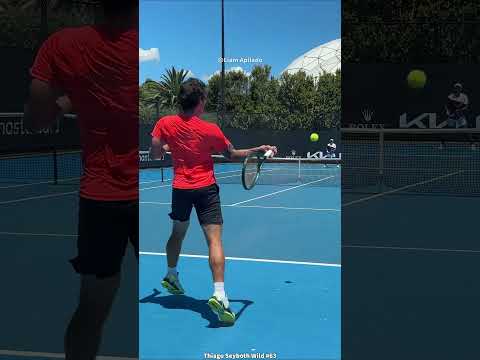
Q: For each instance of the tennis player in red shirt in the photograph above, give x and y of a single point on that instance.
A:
(95, 70)
(192, 141)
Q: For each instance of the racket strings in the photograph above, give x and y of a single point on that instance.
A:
(251, 169)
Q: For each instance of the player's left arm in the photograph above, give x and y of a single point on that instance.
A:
(232, 153)
(221, 144)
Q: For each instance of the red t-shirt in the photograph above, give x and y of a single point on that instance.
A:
(192, 142)
(97, 68)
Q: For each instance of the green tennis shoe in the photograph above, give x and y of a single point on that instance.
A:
(225, 315)
(172, 284)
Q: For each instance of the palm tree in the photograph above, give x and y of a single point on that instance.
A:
(164, 93)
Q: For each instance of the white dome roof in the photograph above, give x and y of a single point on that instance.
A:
(324, 58)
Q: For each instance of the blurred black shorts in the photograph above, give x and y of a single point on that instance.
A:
(104, 230)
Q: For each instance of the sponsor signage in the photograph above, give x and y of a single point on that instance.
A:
(426, 121)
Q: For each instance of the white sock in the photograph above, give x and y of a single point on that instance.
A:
(219, 292)
(172, 271)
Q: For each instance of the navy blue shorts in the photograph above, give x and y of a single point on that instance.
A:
(206, 201)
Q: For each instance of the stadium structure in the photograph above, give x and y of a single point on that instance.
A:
(325, 58)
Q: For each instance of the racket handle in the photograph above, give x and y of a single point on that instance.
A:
(268, 154)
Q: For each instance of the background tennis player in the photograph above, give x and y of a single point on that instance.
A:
(456, 107)
(192, 141)
(331, 149)
(95, 70)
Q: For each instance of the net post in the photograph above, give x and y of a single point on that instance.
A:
(162, 165)
(381, 156)
(299, 170)
(381, 151)
(55, 166)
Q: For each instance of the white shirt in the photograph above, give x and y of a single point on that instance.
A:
(461, 99)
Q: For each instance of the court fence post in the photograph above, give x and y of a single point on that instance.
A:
(381, 153)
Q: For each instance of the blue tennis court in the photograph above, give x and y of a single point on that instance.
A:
(38, 230)
(410, 251)
(282, 242)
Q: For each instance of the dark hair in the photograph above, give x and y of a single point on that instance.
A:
(119, 7)
(191, 92)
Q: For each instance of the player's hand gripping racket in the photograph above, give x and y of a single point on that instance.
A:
(252, 166)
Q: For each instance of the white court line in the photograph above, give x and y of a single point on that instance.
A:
(54, 355)
(251, 206)
(278, 192)
(33, 234)
(37, 183)
(161, 186)
(281, 207)
(218, 178)
(37, 197)
(155, 187)
(152, 181)
(402, 188)
(409, 248)
(155, 203)
(248, 259)
(221, 172)
(281, 261)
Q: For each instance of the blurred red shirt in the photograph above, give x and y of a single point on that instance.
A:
(97, 67)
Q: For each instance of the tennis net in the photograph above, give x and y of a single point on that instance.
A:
(44, 166)
(275, 171)
(412, 161)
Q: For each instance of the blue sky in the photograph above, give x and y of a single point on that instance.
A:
(186, 34)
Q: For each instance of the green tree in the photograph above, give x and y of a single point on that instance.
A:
(297, 101)
(161, 95)
(236, 92)
(327, 105)
(259, 100)
(420, 31)
(22, 21)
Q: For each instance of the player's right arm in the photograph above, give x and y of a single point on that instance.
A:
(159, 148)
(46, 102)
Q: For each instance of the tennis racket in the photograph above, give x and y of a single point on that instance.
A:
(252, 166)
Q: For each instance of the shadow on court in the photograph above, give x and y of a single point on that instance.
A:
(183, 302)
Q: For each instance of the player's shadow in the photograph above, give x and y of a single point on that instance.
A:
(184, 302)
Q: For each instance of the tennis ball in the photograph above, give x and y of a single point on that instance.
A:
(314, 137)
(416, 79)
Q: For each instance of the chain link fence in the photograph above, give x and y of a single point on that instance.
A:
(246, 121)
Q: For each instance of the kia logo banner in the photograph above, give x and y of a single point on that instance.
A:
(380, 96)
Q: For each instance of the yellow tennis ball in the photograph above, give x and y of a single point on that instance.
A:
(416, 79)
(314, 137)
